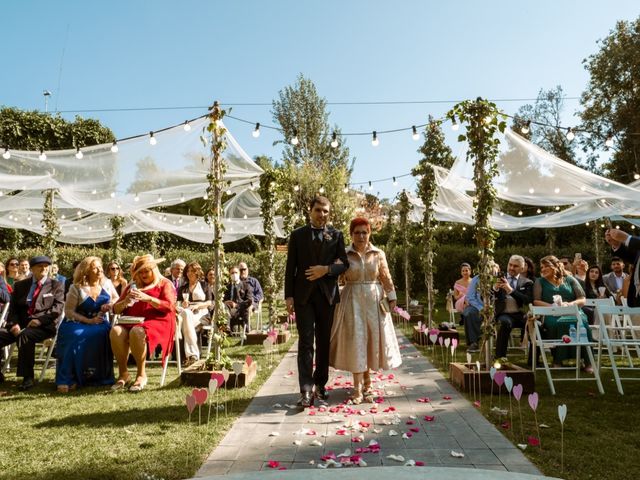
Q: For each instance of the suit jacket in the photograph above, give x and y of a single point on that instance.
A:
(243, 295)
(48, 308)
(5, 296)
(522, 294)
(610, 281)
(300, 256)
(631, 254)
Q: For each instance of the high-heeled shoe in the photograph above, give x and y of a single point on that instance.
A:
(120, 384)
(138, 386)
(356, 395)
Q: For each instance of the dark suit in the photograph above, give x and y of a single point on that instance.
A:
(241, 294)
(631, 254)
(48, 308)
(314, 302)
(523, 295)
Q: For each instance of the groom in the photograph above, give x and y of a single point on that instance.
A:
(315, 258)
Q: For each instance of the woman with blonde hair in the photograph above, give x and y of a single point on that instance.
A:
(115, 274)
(152, 297)
(83, 349)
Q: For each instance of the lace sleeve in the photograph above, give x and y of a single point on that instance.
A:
(385, 277)
(72, 302)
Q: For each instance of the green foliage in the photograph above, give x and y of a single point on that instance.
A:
(312, 166)
(50, 225)
(611, 102)
(269, 182)
(117, 222)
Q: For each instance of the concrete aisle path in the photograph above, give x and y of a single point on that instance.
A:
(273, 430)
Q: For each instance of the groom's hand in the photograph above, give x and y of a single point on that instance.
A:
(316, 272)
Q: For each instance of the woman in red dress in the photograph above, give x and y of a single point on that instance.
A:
(153, 297)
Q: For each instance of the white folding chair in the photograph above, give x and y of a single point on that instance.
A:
(547, 344)
(620, 332)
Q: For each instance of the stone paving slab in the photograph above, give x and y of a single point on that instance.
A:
(272, 423)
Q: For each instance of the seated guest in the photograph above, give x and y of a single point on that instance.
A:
(115, 274)
(238, 298)
(11, 275)
(23, 268)
(83, 349)
(54, 272)
(529, 269)
(210, 280)
(461, 286)
(36, 304)
(594, 288)
(514, 293)
(253, 282)
(555, 281)
(177, 267)
(472, 318)
(153, 297)
(580, 268)
(614, 280)
(194, 301)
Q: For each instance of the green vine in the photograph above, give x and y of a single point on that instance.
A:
(117, 222)
(483, 120)
(213, 216)
(269, 182)
(50, 225)
(405, 207)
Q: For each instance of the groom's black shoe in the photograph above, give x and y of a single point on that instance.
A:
(305, 400)
(321, 393)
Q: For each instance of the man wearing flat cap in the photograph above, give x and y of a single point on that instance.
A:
(36, 304)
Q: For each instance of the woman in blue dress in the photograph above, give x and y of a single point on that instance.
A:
(83, 348)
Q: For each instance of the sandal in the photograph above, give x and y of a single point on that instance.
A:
(120, 384)
(138, 386)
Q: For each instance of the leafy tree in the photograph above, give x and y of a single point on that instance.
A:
(611, 102)
(312, 166)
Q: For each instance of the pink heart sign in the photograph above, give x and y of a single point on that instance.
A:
(517, 392)
(218, 378)
(200, 395)
(191, 403)
(248, 360)
(533, 401)
(499, 378)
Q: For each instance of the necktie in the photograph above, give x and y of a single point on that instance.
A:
(32, 305)
(512, 282)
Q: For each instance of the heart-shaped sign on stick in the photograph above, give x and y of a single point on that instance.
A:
(508, 383)
(562, 413)
(468, 357)
(492, 373)
(453, 350)
(191, 403)
(248, 360)
(200, 394)
(213, 386)
(533, 400)
(440, 340)
(267, 343)
(499, 378)
(454, 342)
(225, 374)
(217, 376)
(433, 338)
(517, 392)
(237, 367)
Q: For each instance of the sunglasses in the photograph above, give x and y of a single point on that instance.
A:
(13, 264)
(114, 268)
(243, 269)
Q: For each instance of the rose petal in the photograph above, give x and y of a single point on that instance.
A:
(415, 429)
(533, 441)
(429, 418)
(273, 464)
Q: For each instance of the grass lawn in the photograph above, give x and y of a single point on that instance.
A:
(94, 433)
(601, 434)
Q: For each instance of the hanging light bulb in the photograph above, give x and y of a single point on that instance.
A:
(395, 182)
(488, 119)
(296, 188)
(1, 193)
(538, 211)
(251, 186)
(43, 156)
(136, 198)
(152, 139)
(557, 208)
(6, 155)
(370, 186)
(520, 212)
(180, 220)
(374, 140)
(609, 141)
(636, 176)
(321, 189)
(159, 198)
(79, 213)
(526, 127)
(112, 194)
(182, 197)
(587, 224)
(334, 140)
(531, 190)
(415, 135)
(256, 132)
(114, 147)
(186, 126)
(556, 190)
(570, 134)
(294, 140)
(346, 188)
(79, 153)
(228, 192)
(455, 126)
(205, 196)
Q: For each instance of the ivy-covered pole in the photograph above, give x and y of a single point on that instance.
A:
(14, 240)
(213, 216)
(434, 152)
(405, 206)
(117, 222)
(268, 192)
(482, 120)
(50, 225)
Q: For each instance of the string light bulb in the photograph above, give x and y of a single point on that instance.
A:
(346, 188)
(112, 194)
(256, 131)
(520, 212)
(159, 198)
(294, 140)
(6, 155)
(114, 147)
(321, 189)
(187, 126)
(370, 186)
(79, 153)
(182, 197)
(538, 211)
(454, 125)
(570, 134)
(152, 139)
(609, 141)
(296, 187)
(395, 182)
(415, 134)
(374, 141)
(43, 156)
(334, 140)
(136, 198)
(636, 176)
(526, 128)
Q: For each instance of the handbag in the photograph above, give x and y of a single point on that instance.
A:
(384, 305)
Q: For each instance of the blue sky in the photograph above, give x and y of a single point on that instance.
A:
(140, 54)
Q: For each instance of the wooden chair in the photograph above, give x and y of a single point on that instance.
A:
(546, 345)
